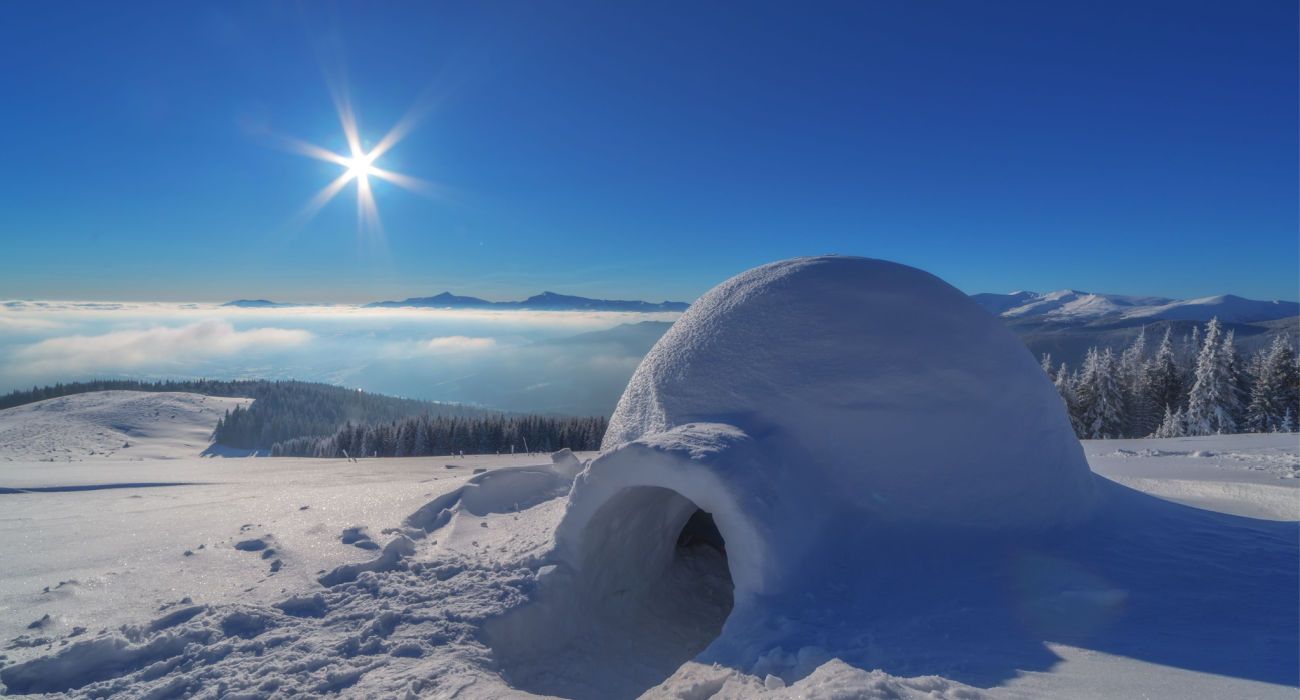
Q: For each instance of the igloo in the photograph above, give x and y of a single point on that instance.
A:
(795, 417)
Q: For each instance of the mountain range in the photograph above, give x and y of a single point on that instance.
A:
(1071, 307)
(546, 301)
(1063, 308)
(1067, 322)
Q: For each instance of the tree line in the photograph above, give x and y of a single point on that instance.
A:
(427, 435)
(1199, 386)
(240, 388)
(285, 410)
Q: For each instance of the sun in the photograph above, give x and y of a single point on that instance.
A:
(359, 166)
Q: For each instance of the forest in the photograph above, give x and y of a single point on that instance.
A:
(242, 388)
(425, 435)
(1198, 385)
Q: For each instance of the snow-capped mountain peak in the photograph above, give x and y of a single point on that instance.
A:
(1075, 306)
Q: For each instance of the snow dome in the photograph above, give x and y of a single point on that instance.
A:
(793, 416)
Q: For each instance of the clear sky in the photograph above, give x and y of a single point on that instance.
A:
(648, 150)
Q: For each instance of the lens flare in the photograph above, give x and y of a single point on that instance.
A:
(358, 166)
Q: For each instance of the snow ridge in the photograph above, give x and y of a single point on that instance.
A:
(1073, 306)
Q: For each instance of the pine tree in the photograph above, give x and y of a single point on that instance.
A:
(1100, 396)
(1287, 425)
(1064, 383)
(1173, 425)
(1212, 403)
(1140, 415)
(1238, 381)
(1163, 385)
(1275, 392)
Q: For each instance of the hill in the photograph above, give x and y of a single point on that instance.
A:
(112, 425)
(280, 410)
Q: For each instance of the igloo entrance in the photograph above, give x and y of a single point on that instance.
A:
(653, 591)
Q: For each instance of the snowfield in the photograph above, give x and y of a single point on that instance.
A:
(129, 612)
(112, 425)
(153, 578)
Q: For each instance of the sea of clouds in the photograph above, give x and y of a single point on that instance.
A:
(551, 361)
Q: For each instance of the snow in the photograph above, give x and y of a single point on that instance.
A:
(112, 425)
(1226, 307)
(815, 356)
(1071, 305)
(1068, 305)
(418, 626)
(794, 501)
(119, 549)
(1254, 477)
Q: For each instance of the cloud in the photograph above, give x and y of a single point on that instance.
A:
(12, 323)
(459, 343)
(565, 361)
(154, 347)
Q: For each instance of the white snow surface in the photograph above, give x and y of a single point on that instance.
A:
(413, 626)
(112, 425)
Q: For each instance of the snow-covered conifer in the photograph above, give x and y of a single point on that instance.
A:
(1287, 425)
(1275, 392)
(1163, 385)
(1064, 382)
(1238, 380)
(1141, 417)
(1212, 403)
(1100, 396)
(1173, 425)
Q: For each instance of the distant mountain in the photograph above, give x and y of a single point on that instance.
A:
(257, 304)
(1066, 323)
(1073, 308)
(446, 300)
(546, 301)
(1228, 308)
(564, 302)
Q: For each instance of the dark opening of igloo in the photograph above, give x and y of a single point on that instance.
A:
(653, 591)
(701, 531)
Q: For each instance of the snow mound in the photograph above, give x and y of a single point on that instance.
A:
(833, 680)
(112, 425)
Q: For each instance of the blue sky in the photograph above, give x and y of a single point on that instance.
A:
(649, 150)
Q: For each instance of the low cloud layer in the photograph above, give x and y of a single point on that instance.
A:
(569, 362)
(158, 346)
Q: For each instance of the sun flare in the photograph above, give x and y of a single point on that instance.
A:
(359, 166)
